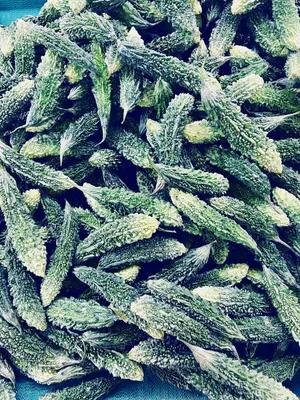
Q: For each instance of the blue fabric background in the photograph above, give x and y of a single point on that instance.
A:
(151, 388)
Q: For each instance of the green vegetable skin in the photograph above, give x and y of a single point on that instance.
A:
(150, 197)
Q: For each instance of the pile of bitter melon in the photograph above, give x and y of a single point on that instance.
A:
(150, 196)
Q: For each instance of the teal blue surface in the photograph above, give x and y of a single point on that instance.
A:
(151, 388)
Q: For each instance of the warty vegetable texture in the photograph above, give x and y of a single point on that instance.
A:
(150, 197)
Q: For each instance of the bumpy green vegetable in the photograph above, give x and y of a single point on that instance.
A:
(170, 140)
(164, 354)
(282, 369)
(130, 91)
(249, 383)
(177, 323)
(181, 15)
(6, 311)
(7, 390)
(44, 111)
(78, 132)
(287, 20)
(23, 51)
(289, 180)
(114, 234)
(23, 290)
(120, 336)
(131, 147)
(206, 217)
(236, 302)
(154, 249)
(244, 6)
(194, 181)
(228, 275)
(94, 389)
(242, 169)
(253, 219)
(62, 45)
(61, 260)
(80, 315)
(187, 266)
(54, 216)
(102, 89)
(224, 33)
(200, 132)
(284, 300)
(196, 307)
(241, 134)
(118, 293)
(135, 202)
(26, 236)
(276, 99)
(170, 69)
(34, 172)
(32, 198)
(52, 10)
(289, 203)
(267, 35)
(244, 88)
(13, 102)
(263, 329)
(289, 149)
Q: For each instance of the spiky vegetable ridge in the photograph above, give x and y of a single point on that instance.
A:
(134, 202)
(206, 217)
(26, 236)
(80, 315)
(62, 259)
(251, 384)
(240, 132)
(23, 290)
